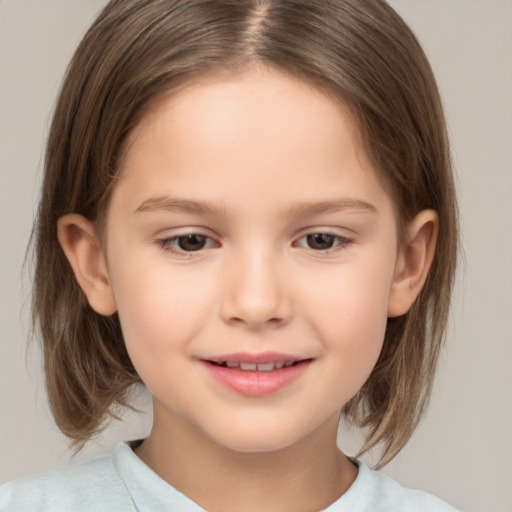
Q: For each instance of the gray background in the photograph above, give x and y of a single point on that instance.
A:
(463, 449)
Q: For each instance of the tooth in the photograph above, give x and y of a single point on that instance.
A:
(288, 363)
(248, 366)
(279, 365)
(265, 367)
(232, 364)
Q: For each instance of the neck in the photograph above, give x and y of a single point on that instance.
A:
(308, 475)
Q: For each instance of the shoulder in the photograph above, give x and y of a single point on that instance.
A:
(375, 492)
(92, 485)
(395, 497)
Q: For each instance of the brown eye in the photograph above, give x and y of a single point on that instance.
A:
(320, 241)
(324, 244)
(192, 242)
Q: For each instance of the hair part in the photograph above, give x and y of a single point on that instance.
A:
(139, 51)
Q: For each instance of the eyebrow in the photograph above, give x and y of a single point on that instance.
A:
(170, 204)
(336, 205)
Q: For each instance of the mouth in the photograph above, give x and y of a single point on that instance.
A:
(257, 367)
(256, 375)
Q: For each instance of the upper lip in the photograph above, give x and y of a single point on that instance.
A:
(255, 358)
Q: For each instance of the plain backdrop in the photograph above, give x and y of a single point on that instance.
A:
(462, 451)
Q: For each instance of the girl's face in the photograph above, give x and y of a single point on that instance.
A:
(248, 231)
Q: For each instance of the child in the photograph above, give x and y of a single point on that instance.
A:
(248, 206)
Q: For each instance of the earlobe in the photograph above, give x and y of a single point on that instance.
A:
(413, 262)
(81, 245)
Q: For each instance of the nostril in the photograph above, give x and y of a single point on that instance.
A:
(255, 305)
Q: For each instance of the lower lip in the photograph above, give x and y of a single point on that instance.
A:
(256, 383)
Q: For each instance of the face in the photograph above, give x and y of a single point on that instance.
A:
(251, 251)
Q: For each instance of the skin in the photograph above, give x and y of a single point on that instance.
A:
(260, 149)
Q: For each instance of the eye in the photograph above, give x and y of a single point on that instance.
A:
(323, 242)
(320, 241)
(192, 242)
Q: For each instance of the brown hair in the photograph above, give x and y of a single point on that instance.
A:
(362, 53)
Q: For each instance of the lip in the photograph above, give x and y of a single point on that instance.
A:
(256, 383)
(256, 358)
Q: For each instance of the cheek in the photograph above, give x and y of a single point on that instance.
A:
(352, 334)
(160, 311)
(350, 312)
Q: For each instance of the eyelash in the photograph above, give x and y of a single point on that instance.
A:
(342, 243)
(168, 244)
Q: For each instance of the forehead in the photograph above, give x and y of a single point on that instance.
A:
(227, 99)
(259, 127)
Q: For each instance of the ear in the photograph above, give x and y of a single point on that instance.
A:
(413, 262)
(81, 245)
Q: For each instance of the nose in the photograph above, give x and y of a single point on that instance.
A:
(256, 293)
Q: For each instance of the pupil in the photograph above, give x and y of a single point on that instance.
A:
(191, 242)
(320, 241)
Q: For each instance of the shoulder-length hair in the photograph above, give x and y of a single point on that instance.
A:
(137, 51)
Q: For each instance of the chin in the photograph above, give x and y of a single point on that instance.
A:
(258, 446)
(262, 440)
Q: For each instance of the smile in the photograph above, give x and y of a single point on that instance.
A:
(256, 375)
(260, 367)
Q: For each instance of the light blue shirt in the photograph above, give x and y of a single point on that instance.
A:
(121, 482)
